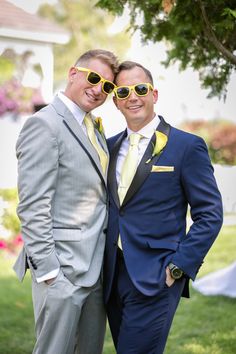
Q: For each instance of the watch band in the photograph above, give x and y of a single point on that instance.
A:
(175, 271)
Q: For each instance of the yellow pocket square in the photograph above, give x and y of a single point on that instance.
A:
(162, 168)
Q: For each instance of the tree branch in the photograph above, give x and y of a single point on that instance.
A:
(212, 37)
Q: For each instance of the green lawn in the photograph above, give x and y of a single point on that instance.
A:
(202, 325)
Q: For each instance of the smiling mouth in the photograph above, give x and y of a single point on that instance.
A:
(134, 108)
(92, 97)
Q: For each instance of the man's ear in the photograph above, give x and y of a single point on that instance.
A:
(72, 73)
(155, 95)
(115, 101)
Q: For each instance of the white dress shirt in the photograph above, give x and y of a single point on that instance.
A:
(77, 112)
(146, 132)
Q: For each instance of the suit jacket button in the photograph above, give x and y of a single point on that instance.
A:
(122, 212)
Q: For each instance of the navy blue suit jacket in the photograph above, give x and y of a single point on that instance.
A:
(152, 217)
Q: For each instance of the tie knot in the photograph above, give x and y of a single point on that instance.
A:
(134, 139)
(88, 122)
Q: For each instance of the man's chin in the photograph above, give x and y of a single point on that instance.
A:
(90, 104)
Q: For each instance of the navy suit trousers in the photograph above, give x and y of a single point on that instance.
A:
(140, 324)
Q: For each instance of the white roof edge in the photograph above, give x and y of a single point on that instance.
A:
(49, 37)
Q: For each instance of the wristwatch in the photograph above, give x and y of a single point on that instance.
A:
(176, 272)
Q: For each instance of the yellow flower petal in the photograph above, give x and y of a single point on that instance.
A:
(98, 122)
(161, 141)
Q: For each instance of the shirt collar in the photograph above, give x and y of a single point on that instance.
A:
(77, 112)
(148, 130)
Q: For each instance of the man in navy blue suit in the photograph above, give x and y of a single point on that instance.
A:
(149, 255)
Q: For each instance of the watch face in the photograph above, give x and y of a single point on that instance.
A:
(177, 273)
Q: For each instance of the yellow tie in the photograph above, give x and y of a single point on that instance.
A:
(92, 137)
(129, 166)
(128, 169)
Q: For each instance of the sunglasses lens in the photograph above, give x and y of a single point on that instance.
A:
(108, 87)
(122, 92)
(93, 78)
(141, 89)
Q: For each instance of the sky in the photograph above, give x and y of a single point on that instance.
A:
(180, 96)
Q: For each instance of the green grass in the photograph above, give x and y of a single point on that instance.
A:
(202, 325)
(207, 324)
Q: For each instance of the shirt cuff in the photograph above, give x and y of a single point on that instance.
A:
(50, 275)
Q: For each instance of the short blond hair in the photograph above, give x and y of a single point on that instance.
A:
(104, 55)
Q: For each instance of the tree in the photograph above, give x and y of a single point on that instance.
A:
(200, 34)
(88, 26)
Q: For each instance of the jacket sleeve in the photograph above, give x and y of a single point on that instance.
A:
(37, 153)
(206, 210)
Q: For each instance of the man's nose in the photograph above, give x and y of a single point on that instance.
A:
(132, 95)
(98, 88)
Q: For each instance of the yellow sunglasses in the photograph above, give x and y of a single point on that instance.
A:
(94, 79)
(123, 92)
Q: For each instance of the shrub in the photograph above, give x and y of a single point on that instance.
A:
(10, 237)
(18, 99)
(220, 137)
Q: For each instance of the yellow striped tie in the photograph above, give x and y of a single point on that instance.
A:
(92, 137)
(129, 166)
(128, 169)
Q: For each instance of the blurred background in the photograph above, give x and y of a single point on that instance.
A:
(190, 48)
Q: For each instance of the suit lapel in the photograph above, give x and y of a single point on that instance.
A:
(163, 127)
(76, 131)
(112, 181)
(144, 168)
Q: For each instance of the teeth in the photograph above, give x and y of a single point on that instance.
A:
(91, 97)
(134, 107)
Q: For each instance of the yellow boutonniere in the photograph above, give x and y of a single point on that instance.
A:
(161, 141)
(99, 126)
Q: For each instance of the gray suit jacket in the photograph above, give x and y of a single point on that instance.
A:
(62, 197)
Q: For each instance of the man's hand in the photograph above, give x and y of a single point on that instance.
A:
(169, 280)
(49, 281)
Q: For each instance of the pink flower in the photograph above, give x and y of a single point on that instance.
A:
(18, 240)
(3, 245)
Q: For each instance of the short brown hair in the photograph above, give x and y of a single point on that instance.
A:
(104, 55)
(128, 65)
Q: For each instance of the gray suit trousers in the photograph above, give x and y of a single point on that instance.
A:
(69, 319)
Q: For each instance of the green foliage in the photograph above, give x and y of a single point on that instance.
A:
(220, 137)
(9, 218)
(202, 325)
(205, 44)
(89, 30)
(6, 69)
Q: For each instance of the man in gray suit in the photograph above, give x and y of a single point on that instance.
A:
(63, 210)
